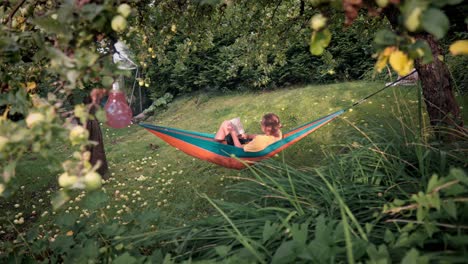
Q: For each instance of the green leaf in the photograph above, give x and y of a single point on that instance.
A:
(323, 232)
(50, 25)
(378, 256)
(421, 213)
(459, 174)
(384, 38)
(125, 259)
(435, 22)
(222, 251)
(454, 190)
(359, 248)
(59, 58)
(430, 228)
(321, 253)
(412, 257)
(433, 182)
(66, 220)
(91, 11)
(398, 202)
(148, 217)
(269, 230)
(450, 208)
(101, 115)
(59, 199)
(286, 253)
(107, 81)
(90, 249)
(85, 58)
(389, 238)
(95, 200)
(299, 233)
(156, 257)
(420, 49)
(62, 244)
(319, 41)
(112, 229)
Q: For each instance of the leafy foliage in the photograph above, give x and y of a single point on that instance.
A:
(224, 60)
(50, 52)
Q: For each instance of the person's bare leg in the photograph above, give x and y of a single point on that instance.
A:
(223, 131)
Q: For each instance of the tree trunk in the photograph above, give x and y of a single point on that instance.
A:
(437, 86)
(97, 151)
(436, 82)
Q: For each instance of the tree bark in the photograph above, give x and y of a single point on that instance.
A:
(437, 86)
(98, 154)
(436, 82)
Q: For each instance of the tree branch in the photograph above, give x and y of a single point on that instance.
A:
(13, 12)
(422, 223)
(415, 205)
(276, 9)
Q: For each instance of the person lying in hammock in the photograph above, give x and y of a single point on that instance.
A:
(251, 143)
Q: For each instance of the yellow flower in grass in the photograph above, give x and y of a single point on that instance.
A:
(401, 63)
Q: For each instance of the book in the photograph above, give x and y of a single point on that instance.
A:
(237, 125)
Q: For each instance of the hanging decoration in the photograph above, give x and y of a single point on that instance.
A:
(119, 114)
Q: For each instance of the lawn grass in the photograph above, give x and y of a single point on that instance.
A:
(145, 172)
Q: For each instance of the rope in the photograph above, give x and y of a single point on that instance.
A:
(376, 92)
(133, 88)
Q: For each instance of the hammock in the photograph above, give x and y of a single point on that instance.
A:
(204, 146)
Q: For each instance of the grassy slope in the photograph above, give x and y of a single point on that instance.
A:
(146, 172)
(127, 148)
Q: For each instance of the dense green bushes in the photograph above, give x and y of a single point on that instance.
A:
(222, 66)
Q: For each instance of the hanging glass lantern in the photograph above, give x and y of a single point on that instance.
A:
(119, 114)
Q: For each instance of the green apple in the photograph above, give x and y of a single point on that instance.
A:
(124, 10)
(382, 3)
(119, 23)
(318, 21)
(92, 180)
(66, 180)
(78, 134)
